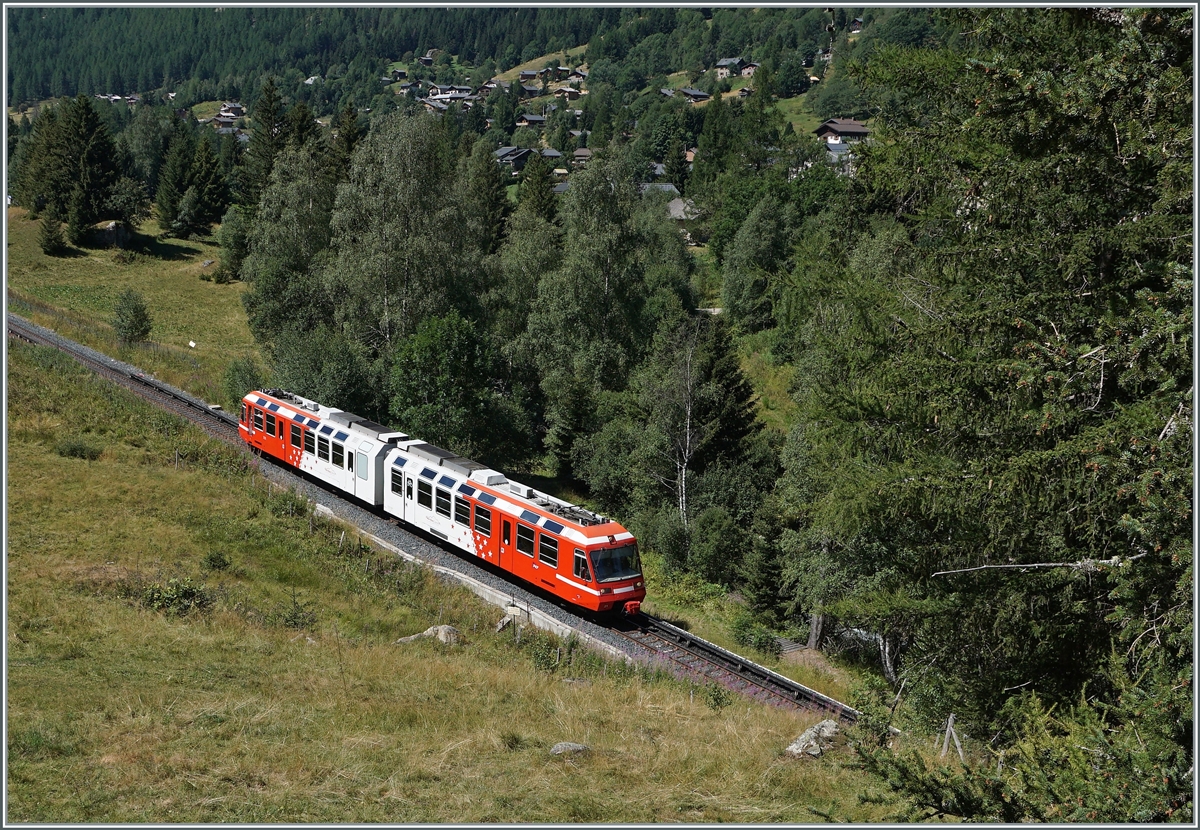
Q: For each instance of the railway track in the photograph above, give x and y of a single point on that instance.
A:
(685, 652)
(215, 422)
(699, 658)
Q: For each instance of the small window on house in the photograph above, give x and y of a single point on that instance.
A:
(581, 566)
(525, 539)
(258, 419)
(397, 481)
(270, 424)
(362, 466)
(338, 456)
(443, 502)
(310, 442)
(483, 521)
(548, 550)
(462, 511)
(425, 495)
(323, 448)
(296, 439)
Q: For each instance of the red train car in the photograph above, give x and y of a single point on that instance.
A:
(584, 558)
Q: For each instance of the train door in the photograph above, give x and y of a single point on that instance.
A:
(506, 545)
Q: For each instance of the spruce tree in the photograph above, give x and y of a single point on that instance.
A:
(536, 192)
(131, 317)
(50, 234)
(266, 140)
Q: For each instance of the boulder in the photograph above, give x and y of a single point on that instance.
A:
(814, 740)
(568, 748)
(447, 634)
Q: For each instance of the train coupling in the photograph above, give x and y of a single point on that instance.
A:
(632, 607)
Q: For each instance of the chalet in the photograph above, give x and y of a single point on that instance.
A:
(581, 156)
(745, 92)
(434, 106)
(399, 74)
(694, 95)
(561, 187)
(568, 93)
(578, 134)
(535, 121)
(856, 25)
(526, 75)
(440, 89)
(749, 69)
(841, 129)
(528, 91)
(222, 120)
(552, 155)
(427, 58)
(580, 75)
(729, 66)
(234, 108)
(682, 210)
(409, 86)
(669, 93)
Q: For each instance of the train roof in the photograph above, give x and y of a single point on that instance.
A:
(525, 498)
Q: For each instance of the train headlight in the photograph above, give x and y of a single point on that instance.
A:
(604, 591)
(637, 585)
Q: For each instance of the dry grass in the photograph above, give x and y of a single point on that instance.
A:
(119, 713)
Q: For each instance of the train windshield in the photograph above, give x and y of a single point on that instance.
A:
(616, 563)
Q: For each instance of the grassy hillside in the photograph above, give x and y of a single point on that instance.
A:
(82, 286)
(264, 683)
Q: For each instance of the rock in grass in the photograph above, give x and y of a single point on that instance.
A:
(447, 634)
(814, 740)
(568, 748)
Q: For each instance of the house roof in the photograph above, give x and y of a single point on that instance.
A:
(729, 61)
(561, 187)
(694, 94)
(682, 209)
(842, 126)
(665, 187)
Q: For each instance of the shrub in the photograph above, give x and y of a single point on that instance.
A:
(178, 597)
(76, 447)
(216, 560)
(295, 614)
(717, 697)
(131, 317)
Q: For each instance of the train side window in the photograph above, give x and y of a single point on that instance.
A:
(310, 443)
(443, 502)
(408, 495)
(362, 466)
(296, 440)
(350, 461)
(525, 539)
(548, 550)
(323, 448)
(581, 566)
(462, 511)
(338, 455)
(425, 495)
(245, 419)
(258, 419)
(397, 481)
(270, 424)
(483, 521)
(507, 532)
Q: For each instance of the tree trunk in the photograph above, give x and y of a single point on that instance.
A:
(816, 622)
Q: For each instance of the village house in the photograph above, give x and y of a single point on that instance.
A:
(729, 66)
(749, 69)
(844, 130)
(694, 95)
(534, 121)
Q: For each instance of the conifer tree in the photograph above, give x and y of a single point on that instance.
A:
(131, 317)
(536, 192)
(50, 234)
(266, 140)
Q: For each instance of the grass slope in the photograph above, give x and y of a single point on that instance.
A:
(82, 286)
(283, 696)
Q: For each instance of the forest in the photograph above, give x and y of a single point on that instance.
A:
(983, 488)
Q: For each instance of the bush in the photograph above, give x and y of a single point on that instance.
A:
(295, 614)
(131, 317)
(216, 560)
(717, 697)
(178, 597)
(78, 448)
(242, 376)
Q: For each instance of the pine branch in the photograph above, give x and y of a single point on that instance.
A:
(1083, 565)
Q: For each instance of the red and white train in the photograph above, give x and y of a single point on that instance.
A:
(573, 553)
